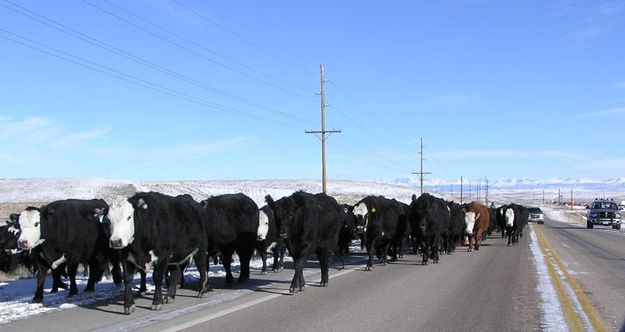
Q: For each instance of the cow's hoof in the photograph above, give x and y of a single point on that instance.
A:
(37, 300)
(507, 245)
(157, 307)
(129, 310)
(292, 290)
(324, 284)
(169, 300)
(54, 290)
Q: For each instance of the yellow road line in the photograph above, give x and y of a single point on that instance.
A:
(575, 323)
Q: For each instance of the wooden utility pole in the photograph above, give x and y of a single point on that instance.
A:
(421, 173)
(571, 198)
(486, 192)
(323, 132)
(461, 189)
(479, 190)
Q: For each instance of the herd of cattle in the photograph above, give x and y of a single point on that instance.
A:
(154, 231)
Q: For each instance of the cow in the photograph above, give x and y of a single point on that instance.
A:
(396, 250)
(429, 220)
(457, 225)
(348, 228)
(154, 229)
(515, 217)
(500, 219)
(310, 224)
(231, 223)
(384, 224)
(478, 219)
(65, 232)
(268, 239)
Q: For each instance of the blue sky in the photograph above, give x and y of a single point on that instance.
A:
(177, 89)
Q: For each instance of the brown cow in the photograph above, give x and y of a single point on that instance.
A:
(478, 220)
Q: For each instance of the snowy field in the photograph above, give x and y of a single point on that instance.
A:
(15, 296)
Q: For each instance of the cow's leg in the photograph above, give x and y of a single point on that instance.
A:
(227, 263)
(302, 282)
(57, 282)
(262, 251)
(297, 282)
(71, 273)
(425, 251)
(94, 275)
(277, 258)
(478, 238)
(129, 301)
(157, 276)
(245, 256)
(371, 246)
(201, 262)
(42, 273)
(175, 274)
(384, 255)
(470, 238)
(324, 264)
(143, 288)
(509, 235)
(436, 249)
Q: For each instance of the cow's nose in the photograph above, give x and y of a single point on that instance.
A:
(115, 243)
(23, 244)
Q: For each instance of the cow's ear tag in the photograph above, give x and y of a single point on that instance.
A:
(372, 210)
(103, 219)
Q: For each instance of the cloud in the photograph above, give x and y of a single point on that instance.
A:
(75, 139)
(586, 35)
(201, 149)
(604, 113)
(508, 154)
(23, 128)
(619, 85)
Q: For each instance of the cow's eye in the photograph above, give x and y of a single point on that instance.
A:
(36, 224)
(129, 218)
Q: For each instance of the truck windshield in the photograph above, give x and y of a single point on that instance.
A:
(604, 205)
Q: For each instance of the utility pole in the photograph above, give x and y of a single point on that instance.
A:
(323, 132)
(571, 198)
(479, 190)
(421, 173)
(559, 197)
(486, 193)
(461, 184)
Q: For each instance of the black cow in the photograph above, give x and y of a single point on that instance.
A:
(457, 224)
(348, 228)
(159, 230)
(515, 217)
(384, 226)
(429, 219)
(268, 238)
(310, 223)
(231, 223)
(65, 232)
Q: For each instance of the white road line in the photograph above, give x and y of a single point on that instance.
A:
(238, 308)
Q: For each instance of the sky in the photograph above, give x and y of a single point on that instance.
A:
(193, 90)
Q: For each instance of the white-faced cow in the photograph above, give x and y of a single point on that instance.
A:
(310, 223)
(65, 232)
(153, 229)
(478, 220)
(268, 239)
(231, 223)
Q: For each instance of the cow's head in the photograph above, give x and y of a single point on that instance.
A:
(509, 215)
(469, 218)
(121, 219)
(284, 211)
(263, 225)
(361, 212)
(30, 226)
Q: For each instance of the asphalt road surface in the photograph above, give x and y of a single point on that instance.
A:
(493, 289)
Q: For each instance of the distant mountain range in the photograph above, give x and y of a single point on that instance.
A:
(511, 183)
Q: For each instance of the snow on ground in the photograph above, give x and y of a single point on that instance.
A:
(16, 296)
(550, 305)
(564, 215)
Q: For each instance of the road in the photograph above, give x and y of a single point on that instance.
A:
(494, 289)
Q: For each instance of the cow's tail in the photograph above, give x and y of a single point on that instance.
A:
(338, 254)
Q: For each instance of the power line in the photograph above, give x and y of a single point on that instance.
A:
(84, 63)
(207, 19)
(167, 40)
(137, 59)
